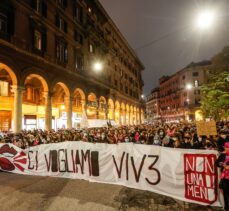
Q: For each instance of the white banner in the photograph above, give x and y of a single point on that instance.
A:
(188, 175)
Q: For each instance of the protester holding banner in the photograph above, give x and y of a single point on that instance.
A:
(223, 163)
(187, 136)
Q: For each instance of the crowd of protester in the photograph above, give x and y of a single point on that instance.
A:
(167, 135)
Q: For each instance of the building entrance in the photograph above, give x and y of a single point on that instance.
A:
(5, 120)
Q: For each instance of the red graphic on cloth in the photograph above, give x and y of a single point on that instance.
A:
(10, 158)
(201, 178)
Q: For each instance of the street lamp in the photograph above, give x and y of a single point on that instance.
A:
(62, 107)
(205, 19)
(188, 86)
(97, 66)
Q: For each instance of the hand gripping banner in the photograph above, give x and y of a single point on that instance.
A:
(188, 175)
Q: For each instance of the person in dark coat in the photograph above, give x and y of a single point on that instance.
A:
(223, 137)
(223, 163)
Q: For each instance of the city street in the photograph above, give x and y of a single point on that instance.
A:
(22, 193)
(112, 105)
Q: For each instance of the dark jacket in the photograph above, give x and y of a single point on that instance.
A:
(221, 159)
(220, 144)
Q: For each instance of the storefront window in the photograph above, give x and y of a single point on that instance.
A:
(30, 122)
(4, 88)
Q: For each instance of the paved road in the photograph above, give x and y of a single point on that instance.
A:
(28, 193)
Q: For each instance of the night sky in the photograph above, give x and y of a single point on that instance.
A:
(169, 25)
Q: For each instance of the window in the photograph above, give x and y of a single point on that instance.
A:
(4, 88)
(5, 120)
(121, 73)
(81, 39)
(183, 77)
(63, 3)
(40, 7)
(116, 83)
(195, 74)
(37, 40)
(61, 24)
(91, 48)
(62, 52)
(78, 37)
(121, 86)
(197, 92)
(78, 13)
(79, 62)
(126, 89)
(30, 122)
(197, 101)
(196, 83)
(3, 23)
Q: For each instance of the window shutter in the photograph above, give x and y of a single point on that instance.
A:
(65, 3)
(66, 54)
(10, 22)
(44, 9)
(33, 3)
(44, 41)
(65, 27)
(57, 21)
(74, 10)
(33, 36)
(81, 14)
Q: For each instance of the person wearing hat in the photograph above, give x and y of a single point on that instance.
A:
(223, 163)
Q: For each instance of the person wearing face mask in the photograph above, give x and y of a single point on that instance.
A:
(187, 140)
(104, 138)
(223, 163)
(221, 140)
(126, 139)
(161, 133)
(156, 140)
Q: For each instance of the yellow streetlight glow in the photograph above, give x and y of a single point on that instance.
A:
(188, 86)
(206, 19)
(62, 107)
(98, 66)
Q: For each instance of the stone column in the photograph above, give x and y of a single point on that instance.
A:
(124, 117)
(68, 103)
(84, 106)
(113, 113)
(97, 109)
(106, 112)
(17, 111)
(119, 117)
(48, 110)
(140, 116)
(137, 118)
(128, 114)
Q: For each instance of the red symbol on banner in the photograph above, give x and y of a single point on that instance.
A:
(11, 158)
(201, 179)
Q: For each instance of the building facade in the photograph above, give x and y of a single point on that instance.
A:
(191, 79)
(152, 105)
(48, 77)
(179, 94)
(169, 103)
